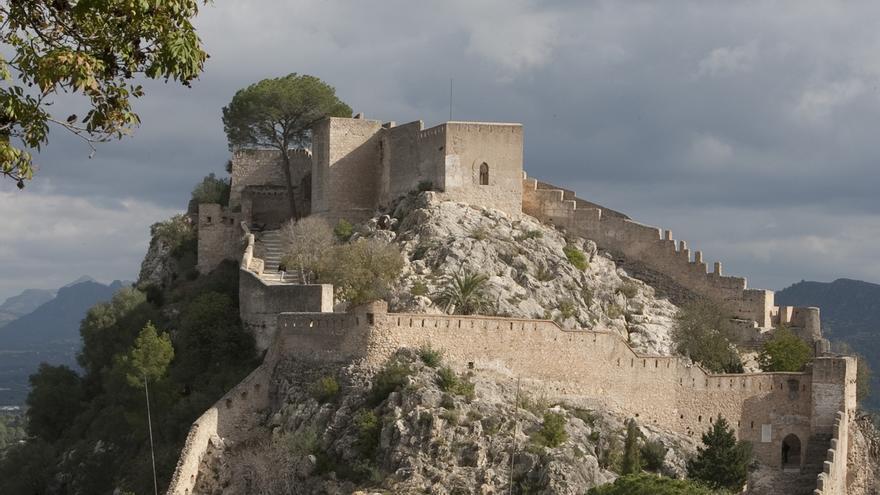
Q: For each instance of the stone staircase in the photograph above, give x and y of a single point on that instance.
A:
(269, 249)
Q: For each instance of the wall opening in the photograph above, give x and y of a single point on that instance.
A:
(791, 452)
(484, 174)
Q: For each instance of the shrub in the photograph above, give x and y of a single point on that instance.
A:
(537, 406)
(653, 454)
(587, 296)
(305, 243)
(480, 233)
(721, 462)
(701, 332)
(430, 356)
(649, 484)
(449, 381)
(362, 271)
(343, 230)
(614, 311)
(585, 415)
(388, 380)
(544, 273)
(567, 309)
(785, 351)
(450, 415)
(576, 257)
(177, 233)
(368, 431)
(325, 389)
(464, 294)
(212, 190)
(629, 289)
(552, 432)
(419, 288)
(529, 234)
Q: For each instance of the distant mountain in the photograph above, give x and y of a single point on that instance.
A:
(24, 303)
(850, 312)
(49, 333)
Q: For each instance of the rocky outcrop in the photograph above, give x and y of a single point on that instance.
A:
(529, 273)
(864, 457)
(419, 435)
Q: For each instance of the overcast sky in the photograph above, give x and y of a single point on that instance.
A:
(750, 129)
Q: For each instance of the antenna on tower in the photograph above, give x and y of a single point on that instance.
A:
(450, 98)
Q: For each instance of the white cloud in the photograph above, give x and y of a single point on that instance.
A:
(725, 61)
(816, 104)
(49, 239)
(707, 150)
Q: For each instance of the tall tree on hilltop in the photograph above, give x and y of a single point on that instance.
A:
(279, 114)
(92, 49)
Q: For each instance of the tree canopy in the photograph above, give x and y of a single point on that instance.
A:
(90, 48)
(701, 332)
(785, 351)
(279, 114)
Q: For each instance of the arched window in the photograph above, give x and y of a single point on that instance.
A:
(484, 174)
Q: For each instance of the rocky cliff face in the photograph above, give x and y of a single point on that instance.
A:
(414, 428)
(529, 273)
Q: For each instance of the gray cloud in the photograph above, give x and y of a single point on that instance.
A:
(747, 128)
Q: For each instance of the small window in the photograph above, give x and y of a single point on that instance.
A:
(484, 174)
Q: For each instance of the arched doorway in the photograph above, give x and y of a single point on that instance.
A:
(484, 174)
(791, 452)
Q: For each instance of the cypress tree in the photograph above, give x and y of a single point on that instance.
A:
(632, 462)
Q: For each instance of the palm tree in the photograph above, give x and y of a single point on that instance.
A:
(463, 294)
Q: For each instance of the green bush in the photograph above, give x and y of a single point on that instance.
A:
(419, 288)
(784, 351)
(325, 389)
(653, 454)
(614, 311)
(567, 309)
(343, 230)
(552, 432)
(585, 415)
(449, 381)
(649, 484)
(576, 257)
(362, 271)
(177, 233)
(212, 190)
(544, 273)
(529, 234)
(702, 332)
(368, 430)
(629, 289)
(722, 461)
(389, 379)
(430, 356)
(464, 294)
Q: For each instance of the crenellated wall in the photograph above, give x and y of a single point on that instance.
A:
(832, 479)
(657, 250)
(570, 365)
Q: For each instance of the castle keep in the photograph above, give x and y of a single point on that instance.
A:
(357, 167)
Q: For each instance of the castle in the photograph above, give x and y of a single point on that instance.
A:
(358, 166)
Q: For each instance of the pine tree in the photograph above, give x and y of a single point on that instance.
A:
(722, 462)
(632, 462)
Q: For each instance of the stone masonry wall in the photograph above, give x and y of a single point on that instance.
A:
(219, 236)
(657, 251)
(252, 167)
(347, 168)
(832, 479)
(577, 366)
(500, 147)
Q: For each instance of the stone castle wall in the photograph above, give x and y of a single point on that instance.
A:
(658, 251)
(596, 367)
(219, 236)
(253, 167)
(832, 479)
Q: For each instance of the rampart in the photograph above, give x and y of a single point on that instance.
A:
(657, 250)
(596, 367)
(262, 167)
(832, 479)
